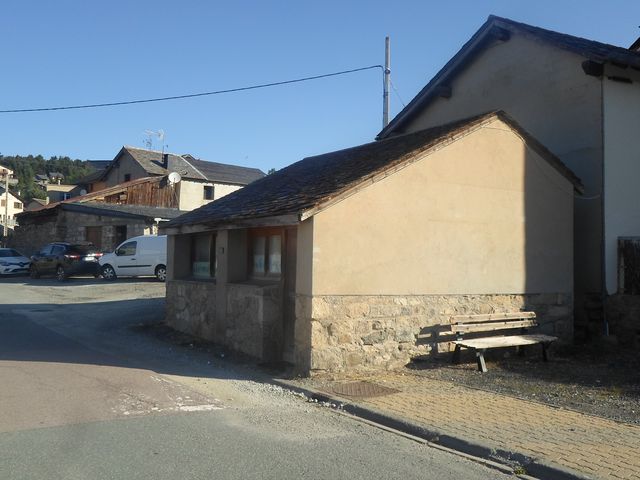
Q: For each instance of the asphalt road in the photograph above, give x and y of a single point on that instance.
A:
(87, 393)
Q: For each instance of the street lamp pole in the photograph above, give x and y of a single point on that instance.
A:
(6, 205)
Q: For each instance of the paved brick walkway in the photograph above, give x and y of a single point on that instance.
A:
(593, 446)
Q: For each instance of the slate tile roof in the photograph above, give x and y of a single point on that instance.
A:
(192, 168)
(103, 209)
(314, 180)
(588, 49)
(110, 209)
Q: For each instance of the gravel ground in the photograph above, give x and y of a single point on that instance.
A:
(589, 380)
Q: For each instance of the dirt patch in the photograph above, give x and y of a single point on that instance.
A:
(589, 380)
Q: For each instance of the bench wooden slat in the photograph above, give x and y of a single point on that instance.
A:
(493, 316)
(492, 326)
(508, 341)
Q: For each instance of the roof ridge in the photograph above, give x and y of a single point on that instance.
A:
(588, 49)
(132, 147)
(525, 26)
(192, 166)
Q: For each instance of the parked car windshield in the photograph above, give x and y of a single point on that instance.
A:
(9, 252)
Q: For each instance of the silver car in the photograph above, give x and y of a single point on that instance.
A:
(13, 262)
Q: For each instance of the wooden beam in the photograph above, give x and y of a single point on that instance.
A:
(277, 221)
(443, 91)
(592, 68)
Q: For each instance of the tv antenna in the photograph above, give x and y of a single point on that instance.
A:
(152, 133)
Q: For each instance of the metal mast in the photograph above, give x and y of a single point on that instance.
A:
(387, 81)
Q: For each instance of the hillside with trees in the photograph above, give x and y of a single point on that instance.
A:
(25, 169)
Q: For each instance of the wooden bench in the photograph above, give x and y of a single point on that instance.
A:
(494, 322)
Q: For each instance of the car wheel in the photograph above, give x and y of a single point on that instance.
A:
(161, 273)
(108, 273)
(61, 275)
(33, 272)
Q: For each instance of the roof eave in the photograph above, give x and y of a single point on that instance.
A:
(272, 221)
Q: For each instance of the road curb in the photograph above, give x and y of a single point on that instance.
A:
(536, 467)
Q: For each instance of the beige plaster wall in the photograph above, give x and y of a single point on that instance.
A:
(12, 211)
(192, 193)
(125, 165)
(547, 92)
(622, 167)
(485, 215)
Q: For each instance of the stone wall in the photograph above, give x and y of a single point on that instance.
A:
(65, 226)
(623, 315)
(191, 307)
(339, 333)
(253, 320)
(28, 238)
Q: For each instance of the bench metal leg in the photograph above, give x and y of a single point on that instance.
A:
(482, 367)
(545, 357)
(456, 355)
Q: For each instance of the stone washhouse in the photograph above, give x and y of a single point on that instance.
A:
(354, 259)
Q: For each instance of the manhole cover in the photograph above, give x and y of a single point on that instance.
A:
(362, 389)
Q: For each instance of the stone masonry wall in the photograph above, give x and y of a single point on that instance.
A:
(252, 323)
(340, 333)
(191, 307)
(64, 226)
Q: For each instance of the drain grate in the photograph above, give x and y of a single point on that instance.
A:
(362, 390)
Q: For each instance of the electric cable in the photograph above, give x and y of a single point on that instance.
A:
(191, 95)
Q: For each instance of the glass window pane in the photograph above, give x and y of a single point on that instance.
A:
(200, 252)
(275, 254)
(258, 254)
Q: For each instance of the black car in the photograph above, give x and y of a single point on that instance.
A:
(66, 259)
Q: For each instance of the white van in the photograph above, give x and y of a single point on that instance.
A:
(145, 255)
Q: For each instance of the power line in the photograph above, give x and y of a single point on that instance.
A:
(192, 95)
(397, 94)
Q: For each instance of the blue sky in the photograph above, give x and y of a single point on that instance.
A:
(75, 52)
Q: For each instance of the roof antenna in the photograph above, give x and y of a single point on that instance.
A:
(152, 133)
(387, 81)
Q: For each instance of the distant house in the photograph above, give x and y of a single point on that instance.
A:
(580, 98)
(341, 261)
(35, 204)
(5, 170)
(56, 177)
(58, 192)
(41, 179)
(202, 181)
(10, 206)
(105, 225)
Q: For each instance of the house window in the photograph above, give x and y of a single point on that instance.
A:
(208, 192)
(66, 196)
(3, 203)
(17, 205)
(203, 255)
(127, 177)
(266, 253)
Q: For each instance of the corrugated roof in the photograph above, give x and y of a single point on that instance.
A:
(316, 180)
(589, 49)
